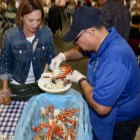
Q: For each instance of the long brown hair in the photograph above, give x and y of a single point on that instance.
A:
(26, 7)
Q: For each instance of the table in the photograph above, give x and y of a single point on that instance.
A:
(9, 116)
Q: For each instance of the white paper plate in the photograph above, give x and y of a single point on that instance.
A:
(58, 91)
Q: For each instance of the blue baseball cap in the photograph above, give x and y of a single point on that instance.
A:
(83, 18)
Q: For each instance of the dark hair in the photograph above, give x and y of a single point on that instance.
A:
(26, 7)
(136, 19)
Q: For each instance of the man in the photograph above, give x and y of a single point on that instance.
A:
(112, 86)
(115, 13)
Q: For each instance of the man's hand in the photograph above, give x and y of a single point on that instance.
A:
(75, 76)
(60, 58)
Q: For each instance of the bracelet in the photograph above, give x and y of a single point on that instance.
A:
(82, 79)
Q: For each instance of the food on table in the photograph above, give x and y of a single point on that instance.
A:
(52, 84)
(40, 137)
(65, 69)
(60, 72)
(57, 124)
(55, 80)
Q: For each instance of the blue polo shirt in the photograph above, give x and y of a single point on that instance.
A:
(115, 75)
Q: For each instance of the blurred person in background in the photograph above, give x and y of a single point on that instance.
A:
(116, 14)
(70, 7)
(3, 6)
(132, 3)
(134, 36)
(26, 49)
(88, 3)
(12, 6)
(46, 5)
(54, 18)
(11, 10)
(112, 85)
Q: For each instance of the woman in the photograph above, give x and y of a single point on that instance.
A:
(26, 49)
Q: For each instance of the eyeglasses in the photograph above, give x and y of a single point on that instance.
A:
(77, 38)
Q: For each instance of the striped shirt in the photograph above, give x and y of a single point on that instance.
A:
(115, 14)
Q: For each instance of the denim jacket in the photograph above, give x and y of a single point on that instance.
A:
(17, 54)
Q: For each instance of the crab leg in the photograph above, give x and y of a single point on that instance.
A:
(40, 127)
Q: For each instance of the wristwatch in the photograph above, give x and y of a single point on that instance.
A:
(82, 79)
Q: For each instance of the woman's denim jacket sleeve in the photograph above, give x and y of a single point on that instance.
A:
(17, 54)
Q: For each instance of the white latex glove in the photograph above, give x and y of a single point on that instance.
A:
(60, 58)
(75, 76)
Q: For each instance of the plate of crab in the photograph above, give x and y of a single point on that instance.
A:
(54, 81)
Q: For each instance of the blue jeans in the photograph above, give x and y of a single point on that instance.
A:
(125, 130)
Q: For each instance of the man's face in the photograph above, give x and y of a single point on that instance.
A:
(84, 40)
(31, 21)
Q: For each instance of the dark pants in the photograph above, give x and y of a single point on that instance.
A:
(24, 92)
(126, 131)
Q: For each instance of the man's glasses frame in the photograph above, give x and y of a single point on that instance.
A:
(77, 38)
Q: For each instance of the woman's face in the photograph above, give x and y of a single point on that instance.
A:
(31, 22)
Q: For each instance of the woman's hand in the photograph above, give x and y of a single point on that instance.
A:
(5, 97)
